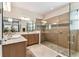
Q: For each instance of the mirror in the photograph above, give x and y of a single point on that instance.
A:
(10, 25)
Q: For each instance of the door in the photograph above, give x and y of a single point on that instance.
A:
(74, 29)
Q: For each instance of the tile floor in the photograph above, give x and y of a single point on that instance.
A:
(29, 53)
(61, 50)
(57, 48)
(48, 49)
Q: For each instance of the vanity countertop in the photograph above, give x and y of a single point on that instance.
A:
(14, 40)
(34, 32)
(19, 39)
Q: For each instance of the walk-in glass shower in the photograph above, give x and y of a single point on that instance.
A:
(63, 36)
(74, 29)
(57, 35)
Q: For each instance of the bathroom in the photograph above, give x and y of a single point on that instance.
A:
(57, 28)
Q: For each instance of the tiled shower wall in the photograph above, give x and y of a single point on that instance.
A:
(75, 40)
(78, 41)
(60, 34)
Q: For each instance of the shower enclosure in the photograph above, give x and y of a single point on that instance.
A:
(74, 29)
(63, 33)
(56, 34)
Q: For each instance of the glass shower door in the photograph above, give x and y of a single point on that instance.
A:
(74, 29)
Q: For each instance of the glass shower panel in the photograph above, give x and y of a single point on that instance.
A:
(74, 29)
(57, 38)
(57, 34)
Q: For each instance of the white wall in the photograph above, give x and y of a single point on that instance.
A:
(18, 12)
(59, 11)
(74, 16)
(74, 6)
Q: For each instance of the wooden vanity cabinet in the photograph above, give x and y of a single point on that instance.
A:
(32, 38)
(14, 50)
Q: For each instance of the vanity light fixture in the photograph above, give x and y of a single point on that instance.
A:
(10, 19)
(44, 22)
(54, 23)
(23, 18)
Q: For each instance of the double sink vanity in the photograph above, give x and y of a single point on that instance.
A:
(16, 46)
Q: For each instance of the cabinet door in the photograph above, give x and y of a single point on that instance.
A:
(6, 50)
(30, 38)
(20, 50)
(33, 38)
(15, 50)
(36, 38)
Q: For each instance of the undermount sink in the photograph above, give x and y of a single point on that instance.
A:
(12, 37)
(15, 36)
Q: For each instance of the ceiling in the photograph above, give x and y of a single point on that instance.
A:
(39, 7)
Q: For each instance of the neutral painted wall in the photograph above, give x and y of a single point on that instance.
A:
(56, 12)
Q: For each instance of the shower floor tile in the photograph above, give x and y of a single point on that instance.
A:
(57, 48)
